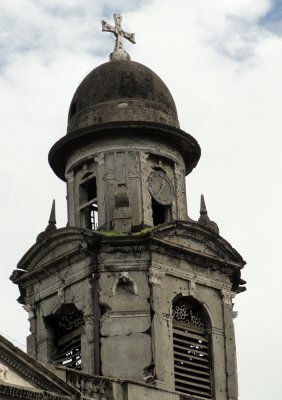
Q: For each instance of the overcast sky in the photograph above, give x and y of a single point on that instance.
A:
(222, 61)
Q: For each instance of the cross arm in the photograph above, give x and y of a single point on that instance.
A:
(107, 27)
(130, 37)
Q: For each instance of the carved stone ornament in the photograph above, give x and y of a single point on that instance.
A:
(227, 297)
(29, 308)
(192, 286)
(143, 156)
(3, 373)
(178, 169)
(188, 313)
(100, 159)
(61, 295)
(124, 278)
(155, 276)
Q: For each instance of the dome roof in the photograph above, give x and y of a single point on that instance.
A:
(121, 91)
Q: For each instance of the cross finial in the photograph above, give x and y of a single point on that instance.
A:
(119, 53)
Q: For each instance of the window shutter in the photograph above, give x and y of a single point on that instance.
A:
(191, 350)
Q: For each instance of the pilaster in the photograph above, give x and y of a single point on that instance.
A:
(230, 347)
(146, 199)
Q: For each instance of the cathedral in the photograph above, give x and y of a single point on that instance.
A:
(133, 299)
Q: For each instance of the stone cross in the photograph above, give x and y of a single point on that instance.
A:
(119, 53)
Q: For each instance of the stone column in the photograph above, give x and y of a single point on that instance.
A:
(31, 339)
(218, 363)
(180, 192)
(134, 187)
(45, 340)
(87, 345)
(146, 198)
(155, 279)
(72, 220)
(100, 188)
(168, 351)
(230, 347)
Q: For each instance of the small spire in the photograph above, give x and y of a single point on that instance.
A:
(204, 218)
(203, 208)
(119, 53)
(52, 218)
(51, 223)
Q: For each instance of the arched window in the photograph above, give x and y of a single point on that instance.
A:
(162, 192)
(191, 346)
(67, 325)
(88, 202)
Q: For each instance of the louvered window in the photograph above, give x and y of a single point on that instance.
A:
(191, 349)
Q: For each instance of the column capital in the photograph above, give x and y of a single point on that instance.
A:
(155, 275)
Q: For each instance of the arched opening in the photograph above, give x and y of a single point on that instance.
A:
(160, 213)
(191, 346)
(162, 194)
(67, 325)
(88, 202)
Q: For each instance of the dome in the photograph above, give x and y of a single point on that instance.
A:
(119, 91)
(122, 99)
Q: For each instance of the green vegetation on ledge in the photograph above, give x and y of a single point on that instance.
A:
(117, 234)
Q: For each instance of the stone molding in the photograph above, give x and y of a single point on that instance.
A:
(22, 371)
(188, 397)
(32, 371)
(89, 385)
(56, 289)
(21, 393)
(191, 277)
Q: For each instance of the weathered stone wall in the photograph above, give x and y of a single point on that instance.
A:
(212, 288)
(123, 168)
(125, 324)
(70, 285)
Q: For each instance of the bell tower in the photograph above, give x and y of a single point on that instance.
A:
(132, 288)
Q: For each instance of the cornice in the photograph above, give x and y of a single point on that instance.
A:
(17, 392)
(195, 256)
(207, 235)
(31, 369)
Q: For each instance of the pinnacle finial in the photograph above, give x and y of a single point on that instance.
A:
(203, 208)
(52, 219)
(119, 53)
(51, 223)
(204, 218)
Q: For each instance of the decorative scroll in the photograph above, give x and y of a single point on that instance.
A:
(3, 372)
(187, 313)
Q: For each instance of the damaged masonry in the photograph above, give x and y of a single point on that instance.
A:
(133, 299)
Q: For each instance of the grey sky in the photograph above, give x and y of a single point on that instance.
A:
(222, 61)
